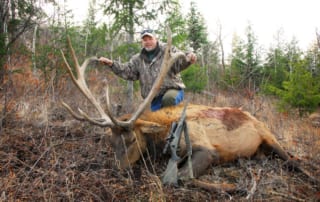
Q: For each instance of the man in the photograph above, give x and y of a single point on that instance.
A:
(145, 67)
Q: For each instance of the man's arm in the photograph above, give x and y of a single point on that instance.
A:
(183, 63)
(127, 71)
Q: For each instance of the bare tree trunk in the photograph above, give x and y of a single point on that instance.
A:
(222, 48)
(318, 38)
(290, 64)
(86, 42)
(34, 50)
(130, 83)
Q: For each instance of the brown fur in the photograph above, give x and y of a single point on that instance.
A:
(217, 135)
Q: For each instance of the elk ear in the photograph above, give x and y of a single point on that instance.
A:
(151, 127)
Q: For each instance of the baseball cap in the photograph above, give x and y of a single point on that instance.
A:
(147, 32)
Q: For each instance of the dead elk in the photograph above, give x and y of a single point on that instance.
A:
(217, 134)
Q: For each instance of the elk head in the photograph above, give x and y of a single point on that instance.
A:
(127, 137)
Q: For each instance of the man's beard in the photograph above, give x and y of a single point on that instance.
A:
(149, 49)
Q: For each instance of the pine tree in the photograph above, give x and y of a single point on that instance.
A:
(301, 90)
(178, 25)
(245, 62)
(197, 32)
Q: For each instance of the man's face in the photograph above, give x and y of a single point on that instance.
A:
(149, 43)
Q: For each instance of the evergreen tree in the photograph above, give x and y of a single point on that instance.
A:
(279, 62)
(53, 39)
(275, 67)
(293, 53)
(245, 70)
(129, 15)
(300, 91)
(197, 32)
(178, 25)
(196, 77)
(313, 59)
(16, 17)
(292, 77)
(233, 75)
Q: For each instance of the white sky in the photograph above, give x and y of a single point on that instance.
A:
(297, 18)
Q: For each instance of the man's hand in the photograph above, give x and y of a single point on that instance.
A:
(191, 57)
(105, 61)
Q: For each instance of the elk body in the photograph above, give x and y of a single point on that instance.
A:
(217, 134)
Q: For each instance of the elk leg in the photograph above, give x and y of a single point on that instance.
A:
(201, 159)
(275, 147)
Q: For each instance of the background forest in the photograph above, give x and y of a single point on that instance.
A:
(46, 155)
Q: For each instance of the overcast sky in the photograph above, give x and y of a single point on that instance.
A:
(297, 18)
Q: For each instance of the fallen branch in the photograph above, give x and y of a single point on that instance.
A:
(255, 181)
(287, 196)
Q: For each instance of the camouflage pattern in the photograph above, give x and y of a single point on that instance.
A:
(146, 71)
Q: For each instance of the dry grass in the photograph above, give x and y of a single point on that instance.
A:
(47, 156)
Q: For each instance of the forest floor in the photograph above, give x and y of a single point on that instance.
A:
(46, 155)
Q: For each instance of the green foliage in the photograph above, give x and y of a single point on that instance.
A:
(127, 13)
(122, 50)
(96, 40)
(209, 60)
(177, 24)
(17, 17)
(313, 59)
(301, 91)
(195, 78)
(231, 77)
(52, 39)
(245, 62)
(197, 31)
(276, 67)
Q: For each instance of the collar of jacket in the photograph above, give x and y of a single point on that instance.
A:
(145, 54)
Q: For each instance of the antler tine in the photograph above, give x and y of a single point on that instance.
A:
(167, 63)
(75, 115)
(114, 120)
(80, 82)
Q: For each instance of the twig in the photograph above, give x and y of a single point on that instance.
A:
(38, 160)
(255, 180)
(287, 196)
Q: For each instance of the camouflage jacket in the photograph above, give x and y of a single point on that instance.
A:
(141, 68)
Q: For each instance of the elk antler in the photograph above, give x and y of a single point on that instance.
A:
(107, 119)
(80, 82)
